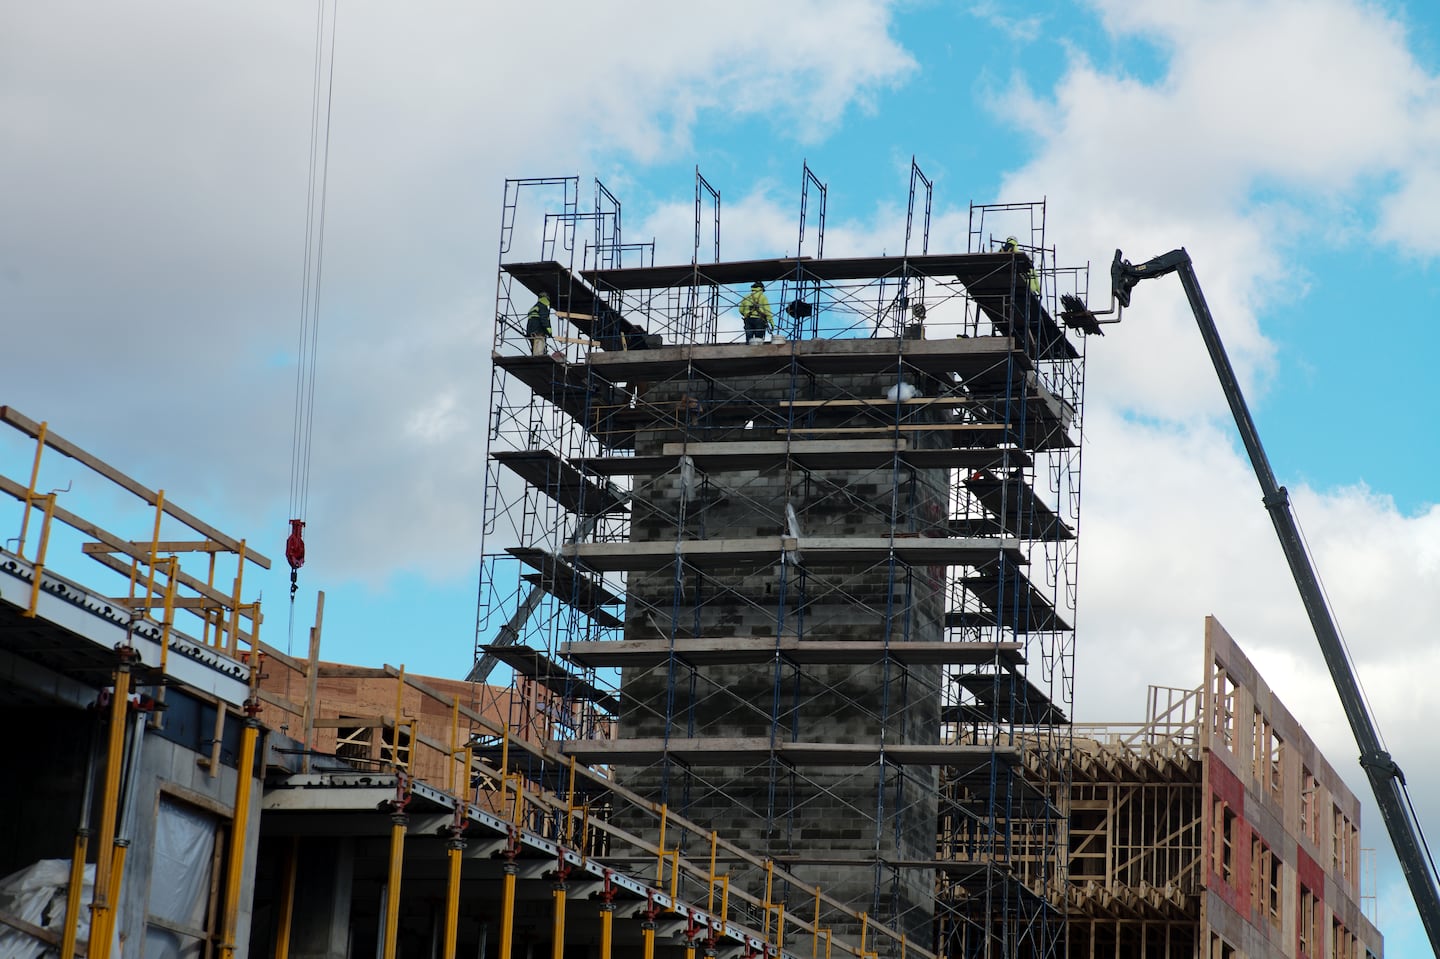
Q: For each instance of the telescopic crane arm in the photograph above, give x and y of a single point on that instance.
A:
(1386, 779)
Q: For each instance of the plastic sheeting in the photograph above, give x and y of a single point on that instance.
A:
(179, 879)
(36, 894)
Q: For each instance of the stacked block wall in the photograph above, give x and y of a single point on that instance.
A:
(808, 813)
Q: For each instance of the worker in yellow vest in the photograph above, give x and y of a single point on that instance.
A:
(537, 325)
(755, 311)
(1033, 278)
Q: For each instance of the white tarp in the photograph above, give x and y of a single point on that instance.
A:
(36, 894)
(179, 879)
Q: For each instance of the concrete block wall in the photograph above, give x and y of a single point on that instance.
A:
(811, 812)
(180, 775)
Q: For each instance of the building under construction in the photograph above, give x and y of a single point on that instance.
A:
(774, 657)
(818, 591)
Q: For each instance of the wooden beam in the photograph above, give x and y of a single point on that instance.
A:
(157, 602)
(167, 546)
(332, 671)
(284, 659)
(30, 929)
(275, 699)
(312, 676)
(63, 446)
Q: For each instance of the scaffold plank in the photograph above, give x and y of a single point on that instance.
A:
(986, 362)
(964, 429)
(810, 455)
(1011, 500)
(1016, 605)
(1031, 614)
(560, 481)
(717, 751)
(625, 465)
(813, 551)
(736, 650)
(998, 286)
(567, 584)
(574, 300)
(828, 269)
(823, 454)
(534, 664)
(1008, 696)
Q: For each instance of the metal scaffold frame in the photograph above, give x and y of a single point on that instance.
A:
(754, 579)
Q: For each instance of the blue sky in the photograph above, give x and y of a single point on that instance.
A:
(150, 273)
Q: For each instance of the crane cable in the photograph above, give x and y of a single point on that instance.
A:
(305, 366)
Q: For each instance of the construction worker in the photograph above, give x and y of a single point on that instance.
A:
(755, 311)
(537, 325)
(1033, 278)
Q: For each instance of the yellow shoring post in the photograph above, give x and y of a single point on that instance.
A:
(239, 825)
(710, 885)
(40, 555)
(557, 928)
(235, 601)
(864, 928)
(117, 880)
(647, 936)
(254, 609)
(584, 849)
(660, 848)
(168, 618)
(815, 939)
(30, 493)
(287, 901)
(674, 856)
(519, 798)
(398, 822)
(154, 547)
(455, 850)
(725, 898)
(72, 893)
(101, 904)
(507, 909)
(827, 944)
(780, 926)
(607, 920)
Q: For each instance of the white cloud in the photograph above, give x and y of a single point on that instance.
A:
(1265, 137)
(152, 262)
(1006, 20)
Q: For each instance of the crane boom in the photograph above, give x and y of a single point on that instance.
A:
(1386, 779)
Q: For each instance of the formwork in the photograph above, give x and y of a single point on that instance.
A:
(817, 593)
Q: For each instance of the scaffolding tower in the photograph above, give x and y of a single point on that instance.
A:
(816, 594)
